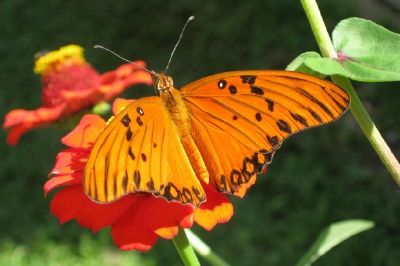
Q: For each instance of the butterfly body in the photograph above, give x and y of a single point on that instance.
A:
(179, 114)
(222, 129)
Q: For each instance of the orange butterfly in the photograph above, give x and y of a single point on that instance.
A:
(222, 129)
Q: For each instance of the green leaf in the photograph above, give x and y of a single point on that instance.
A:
(366, 52)
(333, 235)
(298, 64)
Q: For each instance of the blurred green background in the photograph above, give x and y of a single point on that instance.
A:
(319, 177)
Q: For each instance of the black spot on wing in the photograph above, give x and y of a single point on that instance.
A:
(270, 104)
(140, 111)
(273, 140)
(139, 121)
(126, 120)
(315, 100)
(171, 192)
(197, 194)
(186, 195)
(130, 153)
(232, 89)
(299, 119)
(315, 115)
(223, 185)
(136, 179)
(256, 90)
(129, 134)
(284, 126)
(150, 185)
(258, 117)
(221, 84)
(249, 79)
(125, 182)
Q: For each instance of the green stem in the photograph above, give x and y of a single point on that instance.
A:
(357, 108)
(204, 250)
(184, 249)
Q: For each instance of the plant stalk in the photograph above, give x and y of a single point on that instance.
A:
(185, 250)
(357, 108)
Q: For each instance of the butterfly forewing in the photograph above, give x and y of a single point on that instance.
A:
(236, 121)
(240, 118)
(140, 151)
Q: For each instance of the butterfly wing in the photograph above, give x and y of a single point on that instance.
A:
(140, 151)
(240, 118)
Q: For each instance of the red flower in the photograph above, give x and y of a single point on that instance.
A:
(136, 220)
(70, 84)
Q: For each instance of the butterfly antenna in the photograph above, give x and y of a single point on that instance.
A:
(126, 60)
(177, 43)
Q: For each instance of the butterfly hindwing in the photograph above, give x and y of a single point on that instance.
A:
(140, 151)
(240, 118)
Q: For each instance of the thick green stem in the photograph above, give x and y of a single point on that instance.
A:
(357, 108)
(185, 250)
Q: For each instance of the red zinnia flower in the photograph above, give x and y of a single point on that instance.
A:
(136, 220)
(70, 84)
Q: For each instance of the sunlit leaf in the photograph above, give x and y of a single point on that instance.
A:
(333, 235)
(298, 64)
(366, 52)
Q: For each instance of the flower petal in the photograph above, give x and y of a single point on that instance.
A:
(114, 82)
(80, 99)
(71, 203)
(130, 232)
(62, 180)
(217, 209)
(70, 161)
(119, 104)
(86, 133)
(164, 217)
(19, 121)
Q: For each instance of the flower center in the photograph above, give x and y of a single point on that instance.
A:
(68, 76)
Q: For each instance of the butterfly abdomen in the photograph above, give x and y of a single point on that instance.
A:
(179, 114)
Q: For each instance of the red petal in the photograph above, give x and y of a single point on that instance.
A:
(62, 180)
(16, 132)
(20, 121)
(86, 133)
(114, 82)
(164, 217)
(217, 209)
(71, 203)
(68, 169)
(78, 100)
(69, 161)
(131, 233)
(119, 104)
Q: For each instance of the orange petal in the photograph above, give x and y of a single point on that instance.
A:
(70, 161)
(86, 133)
(20, 121)
(167, 232)
(115, 82)
(119, 104)
(217, 209)
(59, 181)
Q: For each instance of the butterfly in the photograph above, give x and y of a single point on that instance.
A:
(221, 130)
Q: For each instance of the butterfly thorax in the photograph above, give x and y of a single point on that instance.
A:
(163, 82)
(179, 114)
(173, 102)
